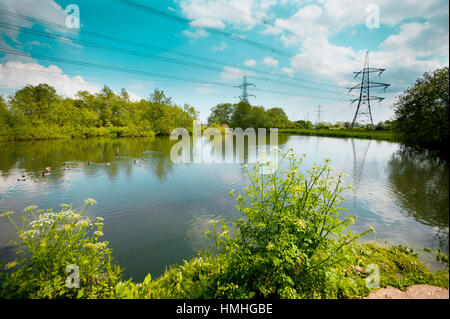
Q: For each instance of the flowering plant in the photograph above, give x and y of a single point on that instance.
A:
(292, 231)
(58, 255)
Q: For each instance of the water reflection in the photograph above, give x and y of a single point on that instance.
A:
(30, 158)
(421, 185)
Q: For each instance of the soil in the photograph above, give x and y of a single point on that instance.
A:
(413, 292)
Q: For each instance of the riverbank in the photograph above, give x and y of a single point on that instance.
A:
(367, 268)
(344, 133)
(54, 133)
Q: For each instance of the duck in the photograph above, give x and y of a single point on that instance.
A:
(22, 178)
(48, 169)
(89, 163)
(136, 161)
(108, 164)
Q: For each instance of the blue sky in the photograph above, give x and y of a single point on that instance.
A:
(312, 47)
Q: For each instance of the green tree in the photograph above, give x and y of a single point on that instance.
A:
(277, 118)
(304, 124)
(221, 114)
(34, 101)
(240, 117)
(421, 113)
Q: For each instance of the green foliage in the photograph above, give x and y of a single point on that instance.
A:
(47, 244)
(304, 124)
(244, 115)
(422, 113)
(221, 114)
(291, 233)
(37, 112)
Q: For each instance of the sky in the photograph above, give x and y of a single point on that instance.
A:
(299, 54)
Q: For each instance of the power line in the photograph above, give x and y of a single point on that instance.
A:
(144, 55)
(295, 34)
(228, 35)
(144, 73)
(151, 47)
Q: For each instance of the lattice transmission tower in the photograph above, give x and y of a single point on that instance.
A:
(244, 85)
(363, 110)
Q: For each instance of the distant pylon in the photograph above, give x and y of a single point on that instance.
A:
(244, 96)
(318, 114)
(363, 109)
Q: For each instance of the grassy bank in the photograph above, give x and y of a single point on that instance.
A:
(293, 240)
(345, 133)
(49, 133)
(208, 277)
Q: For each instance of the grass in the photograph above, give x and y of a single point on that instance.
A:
(344, 133)
(202, 277)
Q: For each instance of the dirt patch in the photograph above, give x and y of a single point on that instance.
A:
(413, 292)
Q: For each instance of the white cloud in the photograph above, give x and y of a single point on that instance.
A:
(208, 23)
(250, 62)
(269, 61)
(134, 97)
(233, 73)
(197, 33)
(47, 10)
(15, 75)
(424, 38)
(415, 48)
(216, 13)
(220, 47)
(288, 71)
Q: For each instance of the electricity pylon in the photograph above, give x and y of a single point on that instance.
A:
(244, 96)
(363, 109)
(318, 115)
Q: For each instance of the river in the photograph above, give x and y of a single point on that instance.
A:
(156, 212)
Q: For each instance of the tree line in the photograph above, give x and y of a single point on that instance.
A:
(244, 115)
(38, 112)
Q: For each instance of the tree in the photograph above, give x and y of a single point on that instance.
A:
(304, 124)
(241, 115)
(277, 118)
(34, 101)
(221, 114)
(4, 116)
(421, 113)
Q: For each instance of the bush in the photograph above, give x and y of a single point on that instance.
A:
(291, 234)
(49, 245)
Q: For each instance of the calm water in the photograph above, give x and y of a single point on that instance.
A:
(156, 212)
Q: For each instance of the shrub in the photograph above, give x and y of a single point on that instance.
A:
(291, 233)
(48, 246)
